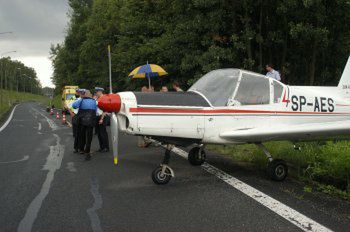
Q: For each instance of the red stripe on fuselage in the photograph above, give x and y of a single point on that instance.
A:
(219, 111)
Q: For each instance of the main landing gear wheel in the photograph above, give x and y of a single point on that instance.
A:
(277, 170)
(161, 178)
(196, 156)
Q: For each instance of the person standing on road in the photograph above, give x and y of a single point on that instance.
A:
(271, 73)
(73, 112)
(86, 119)
(101, 123)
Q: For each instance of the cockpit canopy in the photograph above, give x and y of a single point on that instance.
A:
(228, 87)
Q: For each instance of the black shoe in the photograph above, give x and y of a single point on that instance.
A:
(105, 150)
(100, 150)
(75, 151)
(88, 157)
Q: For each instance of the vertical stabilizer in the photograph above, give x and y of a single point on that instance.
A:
(344, 83)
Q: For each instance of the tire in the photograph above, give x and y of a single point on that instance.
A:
(196, 156)
(277, 170)
(160, 179)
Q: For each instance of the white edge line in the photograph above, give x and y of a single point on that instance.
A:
(8, 120)
(303, 222)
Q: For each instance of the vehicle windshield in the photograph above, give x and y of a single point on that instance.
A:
(217, 86)
(69, 96)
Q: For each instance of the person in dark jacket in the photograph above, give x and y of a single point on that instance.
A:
(73, 113)
(101, 123)
(86, 120)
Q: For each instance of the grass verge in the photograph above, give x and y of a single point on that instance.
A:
(57, 101)
(9, 98)
(322, 166)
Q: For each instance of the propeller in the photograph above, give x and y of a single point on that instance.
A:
(112, 103)
(115, 137)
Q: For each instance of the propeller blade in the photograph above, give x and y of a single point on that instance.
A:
(115, 133)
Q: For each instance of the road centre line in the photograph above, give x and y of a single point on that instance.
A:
(303, 222)
(8, 119)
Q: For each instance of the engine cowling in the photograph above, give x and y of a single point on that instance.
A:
(110, 103)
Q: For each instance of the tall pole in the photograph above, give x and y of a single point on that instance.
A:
(20, 71)
(110, 68)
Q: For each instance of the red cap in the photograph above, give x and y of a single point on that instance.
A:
(110, 103)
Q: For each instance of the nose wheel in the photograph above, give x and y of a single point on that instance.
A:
(162, 175)
(196, 156)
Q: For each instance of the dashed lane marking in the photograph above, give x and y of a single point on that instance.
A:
(51, 123)
(300, 220)
(26, 157)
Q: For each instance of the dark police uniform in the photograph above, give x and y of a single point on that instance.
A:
(102, 131)
(86, 120)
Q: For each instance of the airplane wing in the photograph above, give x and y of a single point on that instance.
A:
(300, 132)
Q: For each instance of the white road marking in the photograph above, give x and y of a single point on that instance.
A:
(26, 157)
(303, 222)
(39, 126)
(8, 120)
(70, 167)
(53, 163)
(51, 123)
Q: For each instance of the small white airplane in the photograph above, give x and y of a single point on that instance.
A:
(231, 106)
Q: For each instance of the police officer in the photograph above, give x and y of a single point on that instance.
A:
(74, 118)
(102, 121)
(86, 121)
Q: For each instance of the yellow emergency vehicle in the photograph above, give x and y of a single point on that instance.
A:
(68, 96)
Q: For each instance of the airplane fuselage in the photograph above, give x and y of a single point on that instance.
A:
(297, 105)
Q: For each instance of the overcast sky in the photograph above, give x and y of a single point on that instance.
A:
(36, 24)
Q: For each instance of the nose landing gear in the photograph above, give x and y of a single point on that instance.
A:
(163, 174)
(277, 169)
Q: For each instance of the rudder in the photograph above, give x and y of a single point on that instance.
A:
(344, 83)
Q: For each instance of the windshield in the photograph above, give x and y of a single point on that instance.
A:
(69, 96)
(217, 86)
(253, 90)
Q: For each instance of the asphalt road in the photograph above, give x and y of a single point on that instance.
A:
(45, 187)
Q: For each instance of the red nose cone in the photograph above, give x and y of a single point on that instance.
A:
(110, 103)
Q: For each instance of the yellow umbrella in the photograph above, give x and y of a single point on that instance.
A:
(148, 71)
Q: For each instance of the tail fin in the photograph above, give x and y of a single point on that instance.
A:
(344, 83)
